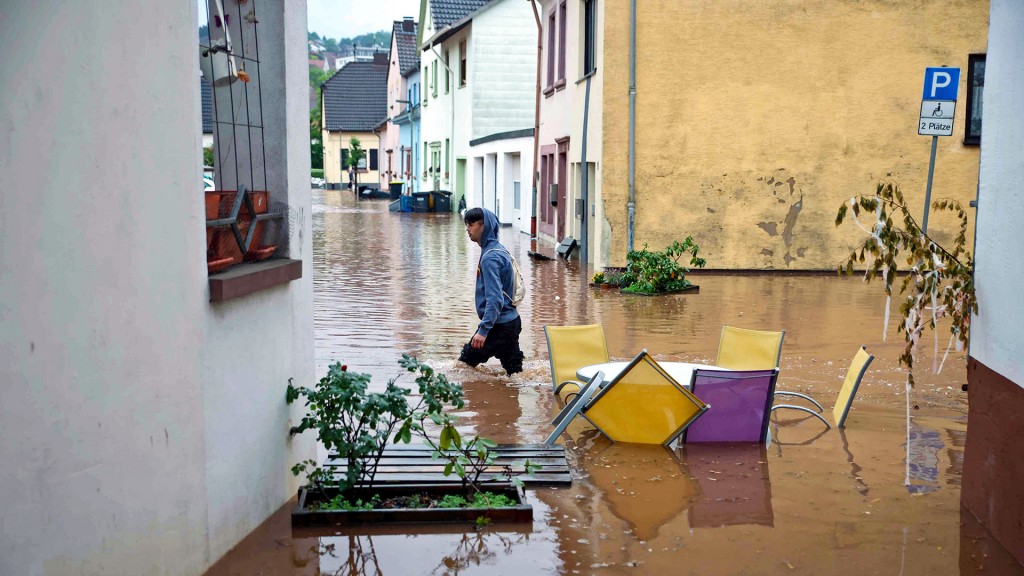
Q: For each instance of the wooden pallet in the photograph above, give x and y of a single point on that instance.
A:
(404, 464)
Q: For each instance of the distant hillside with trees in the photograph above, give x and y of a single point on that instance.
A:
(379, 38)
(317, 77)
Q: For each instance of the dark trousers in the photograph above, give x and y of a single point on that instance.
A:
(502, 342)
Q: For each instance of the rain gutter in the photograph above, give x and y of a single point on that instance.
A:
(631, 206)
(534, 176)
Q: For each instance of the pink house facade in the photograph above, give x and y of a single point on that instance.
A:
(568, 164)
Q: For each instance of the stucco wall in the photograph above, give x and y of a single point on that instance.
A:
(756, 120)
(562, 114)
(144, 427)
(334, 142)
(995, 331)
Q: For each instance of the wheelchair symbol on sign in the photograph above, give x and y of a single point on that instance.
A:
(938, 110)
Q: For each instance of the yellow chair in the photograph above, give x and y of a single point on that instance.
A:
(847, 392)
(641, 404)
(742, 349)
(569, 348)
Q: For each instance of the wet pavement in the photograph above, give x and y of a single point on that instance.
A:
(811, 502)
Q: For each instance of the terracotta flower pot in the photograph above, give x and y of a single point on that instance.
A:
(221, 246)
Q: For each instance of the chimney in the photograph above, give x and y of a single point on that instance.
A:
(380, 59)
(408, 25)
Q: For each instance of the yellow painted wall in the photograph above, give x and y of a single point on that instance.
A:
(334, 142)
(756, 120)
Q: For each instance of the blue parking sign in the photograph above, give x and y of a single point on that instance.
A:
(941, 83)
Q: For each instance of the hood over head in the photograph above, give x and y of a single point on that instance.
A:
(491, 226)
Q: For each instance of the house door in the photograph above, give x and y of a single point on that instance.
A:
(460, 179)
(562, 179)
(547, 196)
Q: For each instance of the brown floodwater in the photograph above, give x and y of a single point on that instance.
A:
(811, 502)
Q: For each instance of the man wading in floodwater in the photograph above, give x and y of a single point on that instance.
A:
(499, 328)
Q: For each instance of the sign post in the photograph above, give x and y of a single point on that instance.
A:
(938, 105)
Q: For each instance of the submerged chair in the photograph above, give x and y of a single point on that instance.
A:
(739, 405)
(847, 392)
(742, 349)
(569, 348)
(641, 404)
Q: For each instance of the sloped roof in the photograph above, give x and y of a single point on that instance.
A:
(405, 40)
(206, 98)
(447, 12)
(356, 97)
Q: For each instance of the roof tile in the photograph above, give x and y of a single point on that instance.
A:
(447, 12)
(356, 97)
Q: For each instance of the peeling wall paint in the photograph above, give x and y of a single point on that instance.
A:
(758, 120)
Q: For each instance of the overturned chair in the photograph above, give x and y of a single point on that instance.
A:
(848, 391)
(641, 404)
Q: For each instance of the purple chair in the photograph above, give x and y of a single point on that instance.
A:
(739, 405)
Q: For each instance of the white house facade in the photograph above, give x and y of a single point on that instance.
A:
(993, 455)
(571, 106)
(478, 113)
(145, 427)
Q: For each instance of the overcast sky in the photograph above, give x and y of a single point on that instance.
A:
(347, 18)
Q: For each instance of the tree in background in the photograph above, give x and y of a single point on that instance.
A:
(356, 154)
(316, 145)
(317, 77)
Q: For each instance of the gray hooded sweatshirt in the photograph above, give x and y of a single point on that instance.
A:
(494, 279)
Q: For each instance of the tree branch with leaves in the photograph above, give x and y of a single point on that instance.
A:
(940, 280)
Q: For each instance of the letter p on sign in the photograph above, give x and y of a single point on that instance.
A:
(941, 83)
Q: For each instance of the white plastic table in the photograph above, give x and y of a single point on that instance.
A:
(681, 372)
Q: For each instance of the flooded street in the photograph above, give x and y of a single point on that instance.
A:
(812, 502)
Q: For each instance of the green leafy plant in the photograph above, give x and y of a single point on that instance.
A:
(351, 420)
(358, 424)
(940, 282)
(466, 459)
(356, 154)
(658, 272)
(339, 502)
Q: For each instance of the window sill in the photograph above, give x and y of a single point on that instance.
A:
(548, 91)
(587, 75)
(245, 279)
(560, 84)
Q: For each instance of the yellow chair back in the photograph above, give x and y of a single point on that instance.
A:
(643, 404)
(849, 389)
(742, 349)
(571, 347)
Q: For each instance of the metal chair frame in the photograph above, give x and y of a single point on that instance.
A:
(841, 421)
